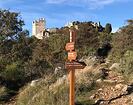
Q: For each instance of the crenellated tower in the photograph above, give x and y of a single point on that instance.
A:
(38, 27)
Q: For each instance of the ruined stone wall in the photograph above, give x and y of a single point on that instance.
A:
(38, 26)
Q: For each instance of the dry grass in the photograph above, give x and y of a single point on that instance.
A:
(42, 95)
(51, 91)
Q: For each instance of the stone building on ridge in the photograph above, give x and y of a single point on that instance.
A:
(38, 28)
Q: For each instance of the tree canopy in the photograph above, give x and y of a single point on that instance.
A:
(10, 24)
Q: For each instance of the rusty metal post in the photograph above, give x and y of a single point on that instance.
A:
(72, 79)
(72, 65)
(72, 87)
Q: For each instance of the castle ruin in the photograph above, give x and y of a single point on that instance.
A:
(38, 28)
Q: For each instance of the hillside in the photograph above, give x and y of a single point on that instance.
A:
(91, 88)
(32, 71)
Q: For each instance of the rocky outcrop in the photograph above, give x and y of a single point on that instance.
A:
(115, 66)
(112, 90)
(90, 61)
(115, 94)
(34, 82)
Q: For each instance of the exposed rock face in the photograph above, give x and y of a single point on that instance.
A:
(113, 94)
(119, 86)
(34, 82)
(106, 96)
(57, 70)
(90, 60)
(115, 66)
(112, 90)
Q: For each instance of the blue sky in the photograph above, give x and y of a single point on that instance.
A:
(58, 12)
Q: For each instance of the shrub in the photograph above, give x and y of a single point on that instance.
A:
(126, 63)
(122, 42)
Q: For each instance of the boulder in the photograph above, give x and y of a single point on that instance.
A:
(98, 80)
(57, 70)
(115, 66)
(119, 86)
(91, 60)
(34, 82)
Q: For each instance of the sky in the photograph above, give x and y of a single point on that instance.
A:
(58, 12)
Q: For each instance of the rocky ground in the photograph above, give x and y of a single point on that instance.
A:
(112, 87)
(114, 90)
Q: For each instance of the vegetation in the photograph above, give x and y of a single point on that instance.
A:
(122, 49)
(24, 58)
(108, 28)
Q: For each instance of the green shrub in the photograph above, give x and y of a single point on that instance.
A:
(122, 41)
(126, 63)
(12, 72)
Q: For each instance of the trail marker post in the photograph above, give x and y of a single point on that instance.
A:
(71, 65)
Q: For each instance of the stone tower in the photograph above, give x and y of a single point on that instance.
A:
(38, 27)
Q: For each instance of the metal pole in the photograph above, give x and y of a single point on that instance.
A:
(72, 87)
(71, 35)
(72, 79)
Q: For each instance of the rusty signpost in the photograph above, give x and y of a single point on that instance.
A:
(72, 55)
(75, 65)
(70, 46)
(71, 65)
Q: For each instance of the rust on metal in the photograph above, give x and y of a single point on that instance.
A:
(72, 55)
(72, 36)
(72, 65)
(72, 87)
(75, 65)
(69, 46)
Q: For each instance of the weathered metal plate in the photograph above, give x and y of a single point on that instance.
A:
(69, 46)
(75, 65)
(72, 55)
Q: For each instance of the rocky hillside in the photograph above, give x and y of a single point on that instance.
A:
(32, 71)
(96, 84)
